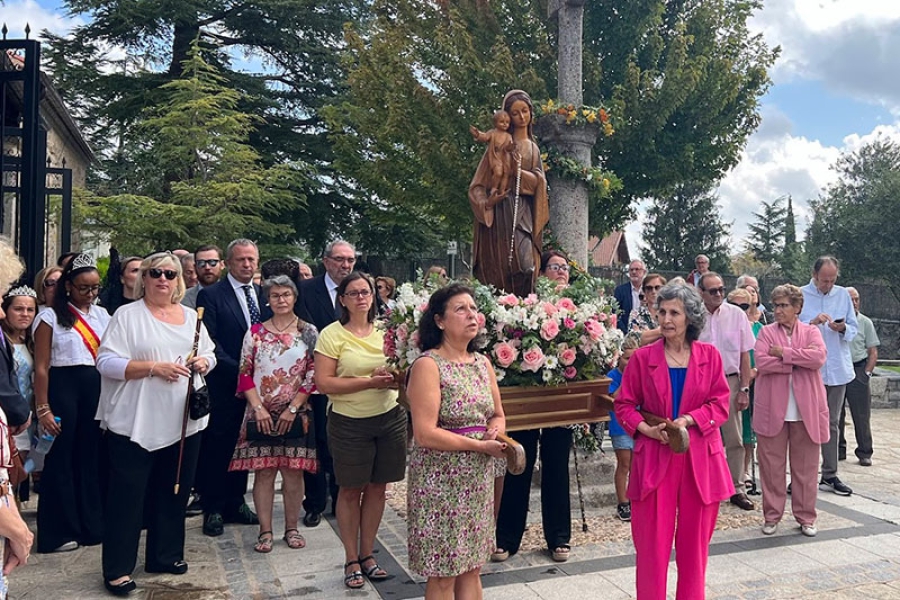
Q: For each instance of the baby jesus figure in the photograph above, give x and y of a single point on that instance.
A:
(499, 152)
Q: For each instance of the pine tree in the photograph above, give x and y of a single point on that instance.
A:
(792, 265)
(766, 238)
(683, 225)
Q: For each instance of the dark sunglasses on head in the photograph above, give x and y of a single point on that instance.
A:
(157, 273)
(742, 305)
(202, 262)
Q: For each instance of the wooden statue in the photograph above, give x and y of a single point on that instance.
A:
(500, 152)
(509, 223)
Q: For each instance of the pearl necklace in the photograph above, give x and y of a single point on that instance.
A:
(512, 236)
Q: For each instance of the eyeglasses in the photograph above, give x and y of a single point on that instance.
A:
(157, 273)
(719, 291)
(277, 297)
(563, 268)
(782, 305)
(742, 305)
(358, 294)
(342, 259)
(652, 288)
(380, 287)
(210, 262)
(48, 283)
(86, 289)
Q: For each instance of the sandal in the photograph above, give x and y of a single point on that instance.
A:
(354, 579)
(294, 540)
(375, 572)
(561, 553)
(264, 542)
(499, 555)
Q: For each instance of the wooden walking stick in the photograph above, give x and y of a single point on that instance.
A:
(187, 399)
(584, 525)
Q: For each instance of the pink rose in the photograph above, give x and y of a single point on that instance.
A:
(614, 321)
(570, 373)
(532, 359)
(566, 354)
(594, 329)
(402, 333)
(566, 304)
(508, 300)
(531, 300)
(550, 308)
(423, 307)
(481, 320)
(569, 323)
(505, 354)
(602, 317)
(549, 330)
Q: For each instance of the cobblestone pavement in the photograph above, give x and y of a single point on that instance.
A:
(855, 556)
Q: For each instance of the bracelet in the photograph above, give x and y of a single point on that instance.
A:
(257, 407)
(151, 369)
(44, 410)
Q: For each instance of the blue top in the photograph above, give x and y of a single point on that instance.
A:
(614, 427)
(677, 375)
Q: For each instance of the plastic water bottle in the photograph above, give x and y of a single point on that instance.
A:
(40, 444)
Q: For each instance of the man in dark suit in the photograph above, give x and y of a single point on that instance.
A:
(318, 305)
(629, 293)
(232, 306)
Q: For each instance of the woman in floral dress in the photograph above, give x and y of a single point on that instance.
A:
(276, 378)
(457, 415)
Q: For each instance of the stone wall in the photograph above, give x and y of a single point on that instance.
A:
(885, 390)
(889, 334)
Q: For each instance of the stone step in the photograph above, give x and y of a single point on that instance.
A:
(597, 485)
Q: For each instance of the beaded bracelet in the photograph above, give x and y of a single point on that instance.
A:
(151, 369)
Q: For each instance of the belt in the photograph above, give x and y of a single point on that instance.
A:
(733, 375)
(861, 363)
(465, 430)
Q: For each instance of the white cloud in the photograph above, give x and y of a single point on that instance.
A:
(19, 13)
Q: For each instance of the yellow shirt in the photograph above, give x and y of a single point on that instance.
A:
(356, 357)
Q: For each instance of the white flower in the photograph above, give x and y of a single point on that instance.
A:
(551, 362)
(500, 374)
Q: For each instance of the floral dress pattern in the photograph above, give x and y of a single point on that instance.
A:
(450, 495)
(279, 366)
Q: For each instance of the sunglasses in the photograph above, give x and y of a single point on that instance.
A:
(48, 283)
(204, 262)
(652, 288)
(157, 273)
(742, 305)
(719, 291)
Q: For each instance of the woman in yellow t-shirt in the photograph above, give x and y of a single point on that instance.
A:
(366, 426)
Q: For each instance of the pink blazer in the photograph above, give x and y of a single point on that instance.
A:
(803, 356)
(646, 384)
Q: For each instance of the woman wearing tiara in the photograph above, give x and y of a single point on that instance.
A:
(67, 386)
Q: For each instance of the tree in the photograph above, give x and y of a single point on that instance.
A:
(851, 218)
(291, 67)
(766, 237)
(792, 259)
(683, 225)
(201, 178)
(683, 80)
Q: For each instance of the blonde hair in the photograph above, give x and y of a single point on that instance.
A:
(739, 292)
(39, 280)
(155, 261)
(11, 266)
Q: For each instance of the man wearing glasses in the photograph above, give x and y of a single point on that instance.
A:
(628, 295)
(208, 267)
(318, 305)
(728, 329)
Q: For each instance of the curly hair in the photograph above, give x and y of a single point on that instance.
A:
(430, 335)
(694, 310)
(11, 266)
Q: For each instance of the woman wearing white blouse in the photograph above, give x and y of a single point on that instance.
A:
(144, 368)
(67, 385)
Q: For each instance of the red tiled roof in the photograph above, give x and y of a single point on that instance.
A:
(610, 251)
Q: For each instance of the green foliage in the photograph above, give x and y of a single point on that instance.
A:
(851, 219)
(793, 263)
(765, 240)
(683, 225)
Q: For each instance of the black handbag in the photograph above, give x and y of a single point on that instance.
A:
(298, 429)
(199, 403)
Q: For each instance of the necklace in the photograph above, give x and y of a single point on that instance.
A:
(512, 237)
(285, 328)
(678, 363)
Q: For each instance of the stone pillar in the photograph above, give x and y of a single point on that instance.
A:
(570, 15)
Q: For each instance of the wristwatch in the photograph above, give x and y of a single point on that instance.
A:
(746, 389)
(292, 409)
(869, 373)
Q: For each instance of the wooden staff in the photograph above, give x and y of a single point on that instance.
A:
(187, 399)
(515, 454)
(679, 439)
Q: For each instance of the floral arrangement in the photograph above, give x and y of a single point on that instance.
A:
(600, 183)
(577, 115)
(549, 337)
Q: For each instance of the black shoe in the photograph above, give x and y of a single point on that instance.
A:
(194, 507)
(120, 589)
(623, 511)
(243, 516)
(213, 525)
(177, 568)
(835, 485)
(865, 462)
(842, 456)
(742, 501)
(789, 489)
(312, 519)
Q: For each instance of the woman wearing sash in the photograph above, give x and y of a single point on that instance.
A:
(67, 386)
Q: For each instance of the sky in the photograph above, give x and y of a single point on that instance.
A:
(835, 87)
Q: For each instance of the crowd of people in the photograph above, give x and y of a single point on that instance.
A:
(162, 391)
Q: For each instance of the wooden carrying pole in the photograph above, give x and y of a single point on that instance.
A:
(187, 399)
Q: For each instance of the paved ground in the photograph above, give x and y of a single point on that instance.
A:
(855, 556)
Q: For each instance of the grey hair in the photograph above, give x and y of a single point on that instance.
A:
(239, 242)
(742, 280)
(694, 309)
(330, 246)
(279, 281)
(186, 259)
(11, 266)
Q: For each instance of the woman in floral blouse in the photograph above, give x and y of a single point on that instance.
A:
(276, 378)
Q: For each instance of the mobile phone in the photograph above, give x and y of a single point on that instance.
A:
(839, 320)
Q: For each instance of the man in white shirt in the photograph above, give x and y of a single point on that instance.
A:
(864, 354)
(828, 306)
(728, 329)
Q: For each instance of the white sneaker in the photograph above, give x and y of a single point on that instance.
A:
(770, 528)
(809, 530)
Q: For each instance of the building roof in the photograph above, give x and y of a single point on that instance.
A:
(611, 251)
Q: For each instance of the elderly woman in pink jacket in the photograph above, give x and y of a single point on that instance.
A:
(675, 495)
(790, 415)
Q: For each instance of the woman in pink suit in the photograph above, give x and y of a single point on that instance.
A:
(791, 413)
(682, 379)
